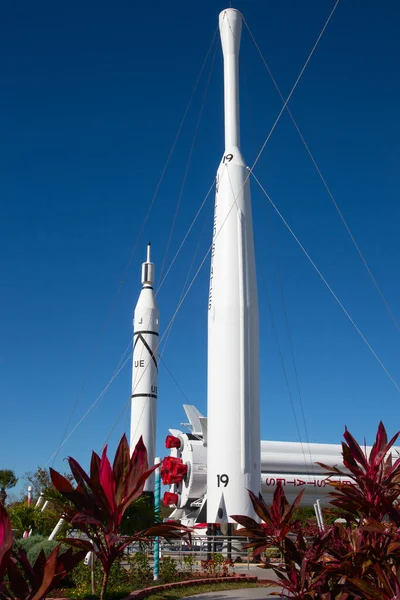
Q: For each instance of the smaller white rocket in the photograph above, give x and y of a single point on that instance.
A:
(145, 367)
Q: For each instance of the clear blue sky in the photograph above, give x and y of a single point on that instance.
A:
(92, 95)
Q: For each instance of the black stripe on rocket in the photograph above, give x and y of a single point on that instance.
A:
(139, 336)
(145, 331)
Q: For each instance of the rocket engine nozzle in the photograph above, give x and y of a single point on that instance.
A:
(171, 441)
(170, 499)
(173, 470)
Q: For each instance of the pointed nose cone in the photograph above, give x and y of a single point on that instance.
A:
(148, 270)
(230, 27)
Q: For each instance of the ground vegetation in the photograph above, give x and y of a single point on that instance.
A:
(351, 560)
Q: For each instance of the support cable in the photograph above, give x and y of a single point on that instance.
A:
(186, 235)
(122, 280)
(99, 397)
(280, 284)
(174, 379)
(257, 158)
(187, 279)
(277, 269)
(188, 164)
(125, 421)
(291, 92)
(261, 270)
(327, 285)
(123, 362)
(325, 184)
(250, 172)
(183, 297)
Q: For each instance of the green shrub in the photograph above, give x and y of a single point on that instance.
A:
(189, 560)
(272, 552)
(46, 545)
(26, 518)
(140, 572)
(26, 544)
(168, 570)
(214, 566)
(118, 582)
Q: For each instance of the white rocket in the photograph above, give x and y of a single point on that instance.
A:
(145, 367)
(294, 465)
(233, 446)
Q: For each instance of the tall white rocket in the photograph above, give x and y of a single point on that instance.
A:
(233, 445)
(145, 367)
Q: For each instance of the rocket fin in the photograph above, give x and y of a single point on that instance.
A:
(194, 418)
(221, 516)
(203, 423)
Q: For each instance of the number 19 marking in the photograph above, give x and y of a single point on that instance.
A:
(222, 479)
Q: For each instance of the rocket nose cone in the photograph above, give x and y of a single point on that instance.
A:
(231, 13)
(230, 27)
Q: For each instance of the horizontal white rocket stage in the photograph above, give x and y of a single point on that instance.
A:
(292, 464)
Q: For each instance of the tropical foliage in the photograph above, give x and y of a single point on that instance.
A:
(28, 518)
(352, 561)
(7, 480)
(39, 481)
(96, 506)
(19, 579)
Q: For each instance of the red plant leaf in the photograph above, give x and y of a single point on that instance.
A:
(79, 543)
(79, 474)
(107, 481)
(61, 483)
(260, 508)
(6, 539)
(121, 467)
(48, 573)
(89, 488)
(378, 450)
(136, 490)
(279, 505)
(168, 530)
(75, 495)
(85, 519)
(26, 566)
(66, 562)
(137, 466)
(357, 454)
(246, 522)
(95, 469)
(18, 584)
(369, 591)
(333, 469)
(392, 441)
(392, 470)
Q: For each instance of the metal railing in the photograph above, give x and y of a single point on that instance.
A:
(202, 547)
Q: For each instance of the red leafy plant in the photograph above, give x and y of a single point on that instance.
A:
(276, 529)
(217, 566)
(97, 504)
(276, 521)
(360, 559)
(376, 478)
(23, 581)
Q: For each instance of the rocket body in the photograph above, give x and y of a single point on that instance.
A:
(145, 368)
(233, 445)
